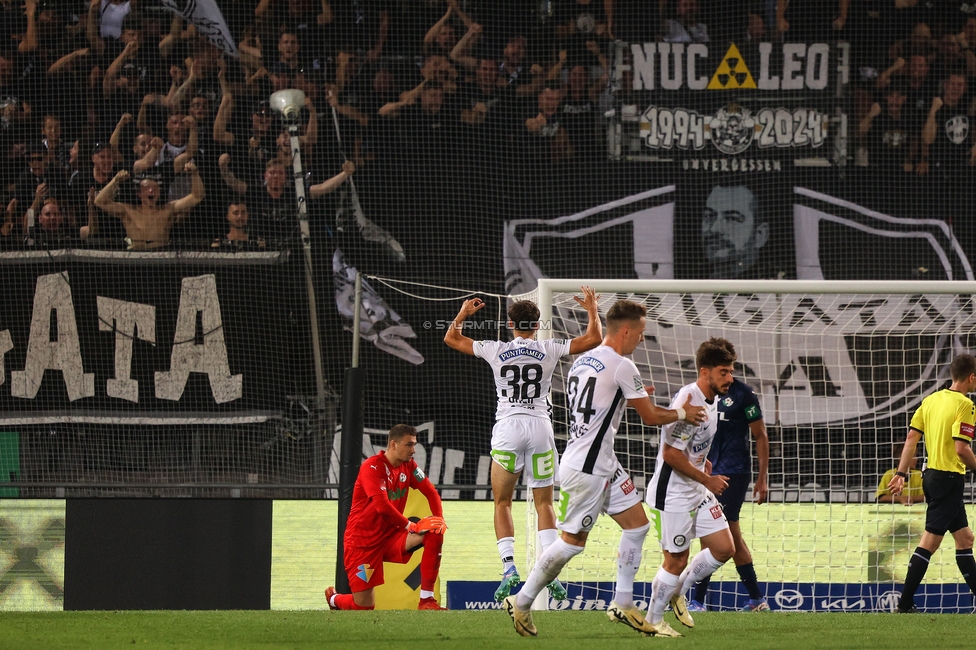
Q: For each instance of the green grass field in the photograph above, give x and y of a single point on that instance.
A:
(403, 630)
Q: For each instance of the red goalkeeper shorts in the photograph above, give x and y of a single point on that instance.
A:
(364, 566)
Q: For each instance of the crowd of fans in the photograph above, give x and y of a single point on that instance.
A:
(121, 125)
(915, 117)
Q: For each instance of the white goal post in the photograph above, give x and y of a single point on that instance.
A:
(839, 367)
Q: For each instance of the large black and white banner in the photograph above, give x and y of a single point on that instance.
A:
(632, 237)
(106, 337)
(723, 107)
(840, 240)
(731, 226)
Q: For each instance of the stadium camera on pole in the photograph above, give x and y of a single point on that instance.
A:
(288, 104)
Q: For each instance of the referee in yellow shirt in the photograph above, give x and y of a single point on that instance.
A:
(946, 419)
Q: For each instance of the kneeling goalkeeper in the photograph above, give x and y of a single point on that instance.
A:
(377, 531)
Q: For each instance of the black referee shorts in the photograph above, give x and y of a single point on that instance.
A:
(946, 510)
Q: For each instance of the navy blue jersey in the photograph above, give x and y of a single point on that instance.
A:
(730, 449)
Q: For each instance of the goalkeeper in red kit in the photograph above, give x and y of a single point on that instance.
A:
(377, 531)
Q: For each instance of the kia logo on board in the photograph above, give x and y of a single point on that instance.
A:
(788, 599)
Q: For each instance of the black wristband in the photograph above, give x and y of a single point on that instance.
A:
(902, 474)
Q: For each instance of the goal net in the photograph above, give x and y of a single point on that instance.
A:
(839, 368)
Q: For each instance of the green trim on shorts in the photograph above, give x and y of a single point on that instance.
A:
(505, 458)
(543, 465)
(562, 506)
(654, 517)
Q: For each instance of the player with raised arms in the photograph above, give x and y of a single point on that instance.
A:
(682, 492)
(600, 386)
(377, 531)
(522, 436)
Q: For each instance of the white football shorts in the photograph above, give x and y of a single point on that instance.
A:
(517, 442)
(675, 530)
(582, 497)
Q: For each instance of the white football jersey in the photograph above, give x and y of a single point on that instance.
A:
(523, 373)
(597, 389)
(670, 490)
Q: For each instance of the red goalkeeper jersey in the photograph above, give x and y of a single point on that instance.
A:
(379, 497)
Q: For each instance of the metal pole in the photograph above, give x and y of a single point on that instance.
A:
(350, 459)
(351, 450)
(356, 317)
(313, 315)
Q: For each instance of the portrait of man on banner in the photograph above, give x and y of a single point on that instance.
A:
(733, 231)
(737, 228)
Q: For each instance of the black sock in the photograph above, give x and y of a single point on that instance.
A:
(967, 567)
(747, 573)
(701, 589)
(917, 566)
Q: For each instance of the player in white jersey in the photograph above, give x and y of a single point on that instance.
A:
(600, 386)
(682, 492)
(522, 436)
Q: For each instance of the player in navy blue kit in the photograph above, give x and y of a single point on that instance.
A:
(739, 415)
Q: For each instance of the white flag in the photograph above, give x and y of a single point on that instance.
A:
(378, 323)
(206, 17)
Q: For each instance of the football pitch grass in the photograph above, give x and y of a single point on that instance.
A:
(492, 630)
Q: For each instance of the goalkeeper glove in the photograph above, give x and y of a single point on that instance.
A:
(427, 525)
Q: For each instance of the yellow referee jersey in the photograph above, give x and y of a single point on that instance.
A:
(942, 418)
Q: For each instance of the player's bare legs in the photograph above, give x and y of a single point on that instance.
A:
(546, 531)
(544, 512)
(503, 484)
(742, 555)
(931, 542)
(675, 563)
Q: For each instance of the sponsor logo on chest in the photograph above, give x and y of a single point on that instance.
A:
(399, 493)
(519, 352)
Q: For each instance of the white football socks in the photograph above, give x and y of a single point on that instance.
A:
(546, 569)
(546, 537)
(701, 566)
(506, 550)
(663, 587)
(628, 561)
